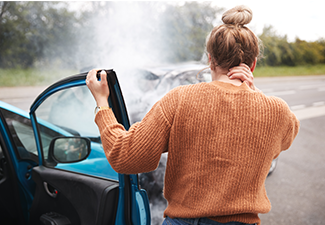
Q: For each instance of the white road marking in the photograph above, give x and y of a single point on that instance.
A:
(281, 93)
(318, 103)
(305, 87)
(267, 90)
(312, 86)
(296, 107)
(309, 112)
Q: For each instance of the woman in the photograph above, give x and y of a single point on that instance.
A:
(221, 136)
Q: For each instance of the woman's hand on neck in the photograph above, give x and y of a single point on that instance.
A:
(220, 74)
(235, 75)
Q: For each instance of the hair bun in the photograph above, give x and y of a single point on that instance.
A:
(239, 15)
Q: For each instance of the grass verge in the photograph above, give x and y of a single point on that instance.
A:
(31, 77)
(289, 71)
(35, 77)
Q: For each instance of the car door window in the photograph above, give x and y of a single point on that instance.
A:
(21, 131)
(70, 112)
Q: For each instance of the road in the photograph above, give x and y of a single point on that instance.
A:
(304, 95)
(21, 97)
(297, 187)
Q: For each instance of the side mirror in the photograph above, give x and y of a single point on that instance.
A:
(69, 149)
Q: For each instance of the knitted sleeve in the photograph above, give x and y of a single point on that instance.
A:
(139, 149)
(291, 128)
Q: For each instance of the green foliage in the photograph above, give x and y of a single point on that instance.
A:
(44, 34)
(29, 29)
(47, 34)
(279, 52)
(186, 28)
(309, 52)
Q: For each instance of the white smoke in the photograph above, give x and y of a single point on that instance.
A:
(126, 37)
(123, 35)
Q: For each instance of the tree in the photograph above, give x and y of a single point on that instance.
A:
(186, 28)
(308, 52)
(144, 33)
(277, 49)
(28, 30)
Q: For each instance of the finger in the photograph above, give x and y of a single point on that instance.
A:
(238, 70)
(241, 68)
(103, 76)
(241, 65)
(245, 65)
(91, 76)
(240, 76)
(88, 78)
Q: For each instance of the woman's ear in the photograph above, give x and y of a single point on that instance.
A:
(254, 65)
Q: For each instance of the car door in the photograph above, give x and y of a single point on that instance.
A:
(18, 155)
(80, 192)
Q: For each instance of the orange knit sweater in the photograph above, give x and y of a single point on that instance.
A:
(221, 140)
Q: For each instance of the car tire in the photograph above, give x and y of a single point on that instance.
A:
(273, 166)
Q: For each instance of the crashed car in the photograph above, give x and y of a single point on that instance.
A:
(53, 169)
(152, 83)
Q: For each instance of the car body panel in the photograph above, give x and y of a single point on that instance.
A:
(96, 156)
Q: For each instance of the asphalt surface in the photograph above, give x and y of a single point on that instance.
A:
(21, 97)
(297, 187)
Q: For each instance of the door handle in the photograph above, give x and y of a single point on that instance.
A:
(51, 193)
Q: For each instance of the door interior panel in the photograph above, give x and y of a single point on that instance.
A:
(10, 206)
(10, 212)
(80, 198)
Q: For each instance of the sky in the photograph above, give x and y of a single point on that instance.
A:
(302, 19)
(294, 18)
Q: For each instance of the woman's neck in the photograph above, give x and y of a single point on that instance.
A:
(221, 75)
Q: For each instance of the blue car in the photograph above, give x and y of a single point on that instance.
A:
(53, 169)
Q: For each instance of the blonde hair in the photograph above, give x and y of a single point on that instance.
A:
(233, 43)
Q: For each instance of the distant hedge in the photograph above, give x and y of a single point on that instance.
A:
(279, 52)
